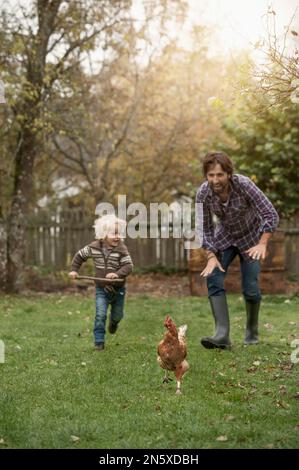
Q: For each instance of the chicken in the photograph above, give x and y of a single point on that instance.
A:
(172, 352)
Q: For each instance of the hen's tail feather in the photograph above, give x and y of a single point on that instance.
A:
(182, 332)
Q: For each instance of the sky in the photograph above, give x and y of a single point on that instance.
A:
(235, 24)
(238, 24)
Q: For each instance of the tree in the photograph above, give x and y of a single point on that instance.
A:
(173, 123)
(265, 147)
(277, 77)
(45, 45)
(137, 128)
(49, 40)
(262, 124)
(92, 128)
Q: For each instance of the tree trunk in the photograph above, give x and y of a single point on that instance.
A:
(3, 254)
(17, 221)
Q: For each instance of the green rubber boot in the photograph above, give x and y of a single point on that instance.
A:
(220, 312)
(252, 313)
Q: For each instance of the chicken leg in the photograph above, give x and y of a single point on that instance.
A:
(166, 378)
(179, 372)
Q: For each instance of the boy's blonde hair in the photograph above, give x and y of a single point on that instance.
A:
(108, 224)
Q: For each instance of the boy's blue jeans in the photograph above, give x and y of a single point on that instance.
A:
(250, 270)
(103, 300)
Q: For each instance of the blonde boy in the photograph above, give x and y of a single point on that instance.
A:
(111, 260)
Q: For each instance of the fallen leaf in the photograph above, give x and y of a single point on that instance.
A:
(18, 348)
(65, 336)
(282, 404)
(2, 441)
(75, 438)
(287, 367)
(229, 418)
(70, 313)
(270, 446)
(241, 385)
(229, 384)
(292, 323)
(287, 301)
(268, 326)
(296, 395)
(283, 389)
(53, 363)
(222, 439)
(83, 363)
(256, 363)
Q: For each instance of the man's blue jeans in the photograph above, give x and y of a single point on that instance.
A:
(103, 300)
(250, 270)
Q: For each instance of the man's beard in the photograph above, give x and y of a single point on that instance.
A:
(219, 188)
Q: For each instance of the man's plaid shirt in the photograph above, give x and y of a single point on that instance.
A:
(247, 215)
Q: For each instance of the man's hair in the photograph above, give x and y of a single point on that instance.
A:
(213, 158)
(107, 225)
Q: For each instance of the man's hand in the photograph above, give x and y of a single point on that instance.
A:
(73, 274)
(258, 251)
(111, 276)
(211, 265)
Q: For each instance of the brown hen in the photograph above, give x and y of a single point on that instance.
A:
(172, 352)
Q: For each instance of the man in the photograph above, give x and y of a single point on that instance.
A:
(245, 220)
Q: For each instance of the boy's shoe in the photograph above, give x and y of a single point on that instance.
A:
(99, 346)
(112, 326)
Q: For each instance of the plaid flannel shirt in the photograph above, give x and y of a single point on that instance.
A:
(241, 222)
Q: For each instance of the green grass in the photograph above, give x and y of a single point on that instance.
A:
(117, 399)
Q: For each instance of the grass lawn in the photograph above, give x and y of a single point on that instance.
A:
(55, 388)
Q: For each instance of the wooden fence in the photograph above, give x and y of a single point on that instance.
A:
(53, 239)
(291, 232)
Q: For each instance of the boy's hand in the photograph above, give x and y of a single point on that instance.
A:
(111, 276)
(73, 274)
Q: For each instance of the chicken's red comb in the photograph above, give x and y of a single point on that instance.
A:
(168, 321)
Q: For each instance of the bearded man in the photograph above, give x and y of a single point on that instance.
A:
(238, 220)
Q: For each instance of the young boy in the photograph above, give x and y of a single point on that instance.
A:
(113, 261)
